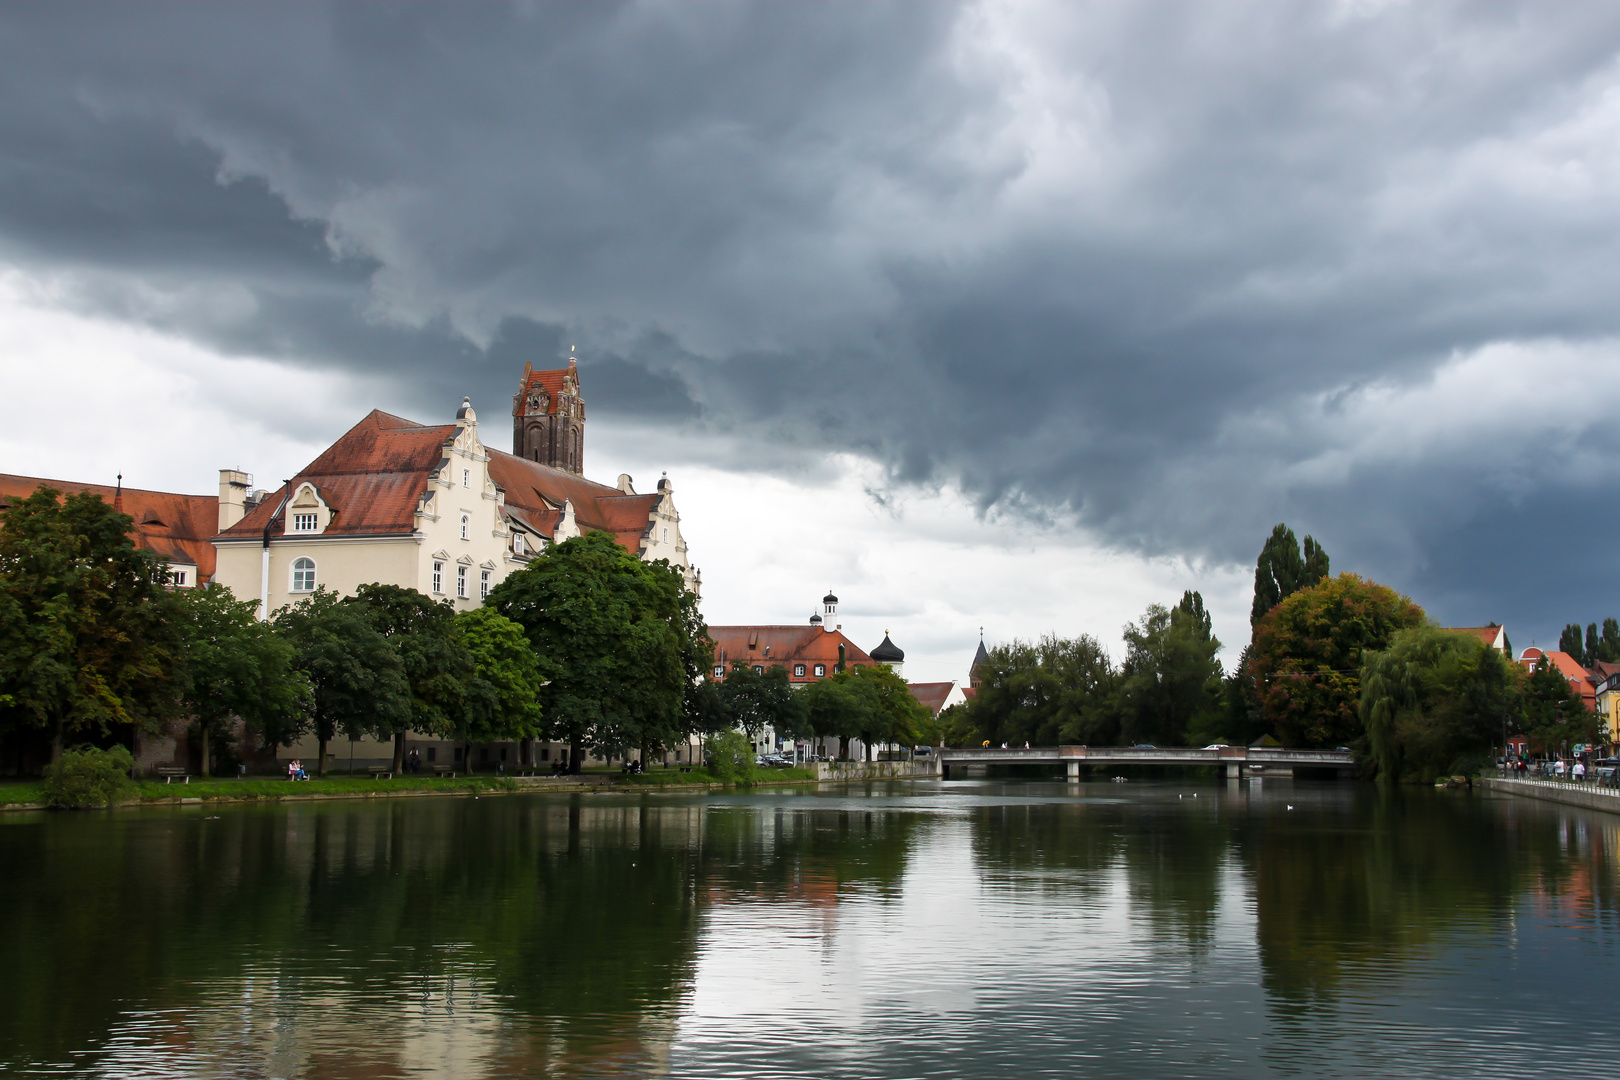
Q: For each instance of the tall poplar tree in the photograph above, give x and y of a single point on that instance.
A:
(1282, 569)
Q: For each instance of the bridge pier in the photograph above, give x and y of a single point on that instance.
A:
(1072, 769)
(1234, 770)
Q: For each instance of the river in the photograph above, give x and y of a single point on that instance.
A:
(975, 928)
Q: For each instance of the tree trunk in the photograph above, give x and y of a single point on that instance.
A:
(466, 757)
(56, 743)
(399, 753)
(203, 729)
(843, 748)
(320, 762)
(576, 756)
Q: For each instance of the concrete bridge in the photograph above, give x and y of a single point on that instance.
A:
(1238, 760)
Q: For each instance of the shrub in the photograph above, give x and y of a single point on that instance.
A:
(730, 757)
(86, 776)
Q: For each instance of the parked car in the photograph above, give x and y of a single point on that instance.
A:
(1218, 746)
(1144, 746)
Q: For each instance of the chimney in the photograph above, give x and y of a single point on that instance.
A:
(233, 492)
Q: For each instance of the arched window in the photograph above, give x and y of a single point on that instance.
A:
(466, 527)
(303, 575)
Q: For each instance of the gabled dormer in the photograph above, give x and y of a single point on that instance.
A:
(308, 512)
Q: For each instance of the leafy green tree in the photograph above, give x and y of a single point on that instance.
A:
(619, 640)
(1170, 682)
(235, 667)
(758, 699)
(1570, 642)
(89, 641)
(502, 701)
(1307, 655)
(1608, 649)
(1435, 702)
(1054, 690)
(437, 666)
(841, 707)
(1282, 570)
(356, 678)
(897, 716)
(1555, 714)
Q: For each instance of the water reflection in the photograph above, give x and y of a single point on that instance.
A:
(889, 930)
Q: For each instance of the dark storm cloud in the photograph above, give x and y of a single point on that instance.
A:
(1160, 265)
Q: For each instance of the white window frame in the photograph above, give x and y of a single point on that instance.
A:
(438, 576)
(466, 526)
(517, 543)
(483, 584)
(466, 478)
(306, 521)
(177, 578)
(719, 671)
(798, 671)
(461, 582)
(299, 567)
(821, 671)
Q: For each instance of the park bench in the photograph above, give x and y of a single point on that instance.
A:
(169, 772)
(516, 770)
(381, 772)
(439, 770)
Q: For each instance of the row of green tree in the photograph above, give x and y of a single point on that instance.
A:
(1332, 661)
(1595, 646)
(587, 645)
(869, 704)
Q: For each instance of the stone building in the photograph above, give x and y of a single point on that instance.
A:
(430, 507)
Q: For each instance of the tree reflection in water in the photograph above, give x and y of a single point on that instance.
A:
(566, 935)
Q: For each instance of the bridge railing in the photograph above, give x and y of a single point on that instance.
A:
(1251, 755)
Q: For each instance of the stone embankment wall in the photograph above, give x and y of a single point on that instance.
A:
(1587, 795)
(875, 770)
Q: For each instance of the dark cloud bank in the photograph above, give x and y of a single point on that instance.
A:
(1181, 269)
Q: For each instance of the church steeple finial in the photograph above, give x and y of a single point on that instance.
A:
(118, 494)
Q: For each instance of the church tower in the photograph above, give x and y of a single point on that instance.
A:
(548, 418)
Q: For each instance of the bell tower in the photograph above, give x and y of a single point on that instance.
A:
(548, 418)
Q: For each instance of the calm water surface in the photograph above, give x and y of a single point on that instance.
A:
(963, 929)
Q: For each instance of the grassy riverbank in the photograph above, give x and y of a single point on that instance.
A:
(14, 793)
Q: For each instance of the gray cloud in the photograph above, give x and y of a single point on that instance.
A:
(1155, 265)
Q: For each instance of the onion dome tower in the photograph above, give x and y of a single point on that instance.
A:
(830, 604)
(815, 618)
(889, 653)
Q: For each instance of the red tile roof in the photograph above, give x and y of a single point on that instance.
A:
(1569, 669)
(175, 527)
(931, 694)
(788, 645)
(538, 492)
(376, 474)
(373, 478)
(1488, 634)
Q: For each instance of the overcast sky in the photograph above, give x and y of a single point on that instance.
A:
(1019, 316)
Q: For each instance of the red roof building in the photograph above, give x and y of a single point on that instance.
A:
(936, 697)
(809, 653)
(174, 527)
(1492, 635)
(1578, 677)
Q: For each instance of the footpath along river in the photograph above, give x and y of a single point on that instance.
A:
(964, 929)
